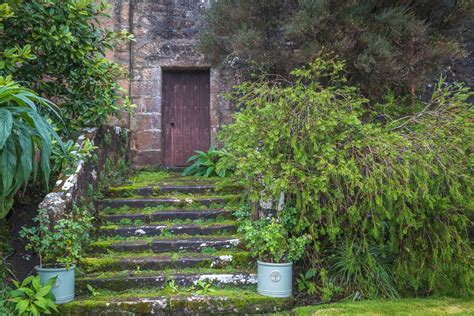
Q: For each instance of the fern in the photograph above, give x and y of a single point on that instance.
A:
(25, 139)
(207, 164)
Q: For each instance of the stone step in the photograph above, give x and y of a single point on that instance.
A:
(165, 261)
(170, 215)
(165, 201)
(154, 190)
(159, 280)
(158, 229)
(165, 245)
(230, 302)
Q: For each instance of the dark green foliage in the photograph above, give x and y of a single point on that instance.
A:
(58, 48)
(207, 164)
(404, 186)
(23, 130)
(5, 250)
(305, 282)
(364, 271)
(387, 44)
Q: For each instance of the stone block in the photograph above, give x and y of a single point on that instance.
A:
(145, 88)
(146, 105)
(146, 140)
(145, 121)
(146, 158)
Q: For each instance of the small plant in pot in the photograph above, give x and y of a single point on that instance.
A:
(59, 245)
(275, 250)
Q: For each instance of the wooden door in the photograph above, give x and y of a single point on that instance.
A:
(186, 115)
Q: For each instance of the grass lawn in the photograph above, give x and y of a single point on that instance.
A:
(431, 306)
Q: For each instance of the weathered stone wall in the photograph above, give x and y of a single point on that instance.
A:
(112, 144)
(167, 33)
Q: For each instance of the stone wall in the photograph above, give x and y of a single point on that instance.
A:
(112, 144)
(167, 33)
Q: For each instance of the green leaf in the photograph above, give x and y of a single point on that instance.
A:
(22, 306)
(6, 124)
(51, 282)
(27, 281)
(36, 284)
(8, 161)
(35, 311)
(44, 291)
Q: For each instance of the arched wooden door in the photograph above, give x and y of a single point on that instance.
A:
(186, 115)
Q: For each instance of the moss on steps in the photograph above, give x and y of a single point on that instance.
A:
(160, 208)
(152, 261)
(160, 279)
(229, 301)
(141, 252)
(162, 244)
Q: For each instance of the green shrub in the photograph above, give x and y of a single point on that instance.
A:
(393, 44)
(24, 129)
(59, 244)
(268, 240)
(58, 48)
(405, 185)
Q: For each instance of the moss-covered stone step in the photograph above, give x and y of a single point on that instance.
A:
(148, 177)
(168, 228)
(165, 245)
(156, 190)
(223, 302)
(150, 261)
(176, 201)
(164, 215)
(160, 280)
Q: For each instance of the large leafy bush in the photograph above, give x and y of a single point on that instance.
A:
(401, 187)
(387, 44)
(58, 48)
(25, 139)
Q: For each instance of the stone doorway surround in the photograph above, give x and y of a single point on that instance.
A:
(166, 38)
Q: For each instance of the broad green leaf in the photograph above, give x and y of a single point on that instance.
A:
(6, 124)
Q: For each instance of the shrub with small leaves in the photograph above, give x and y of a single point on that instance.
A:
(59, 244)
(269, 241)
(403, 184)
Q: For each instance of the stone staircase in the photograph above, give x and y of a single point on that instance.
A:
(168, 245)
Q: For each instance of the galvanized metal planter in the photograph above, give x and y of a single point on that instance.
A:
(274, 279)
(64, 289)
